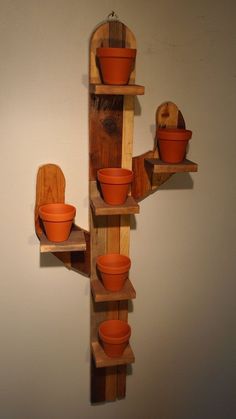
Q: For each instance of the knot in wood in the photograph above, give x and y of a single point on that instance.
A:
(110, 126)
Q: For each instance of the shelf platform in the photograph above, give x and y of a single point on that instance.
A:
(158, 166)
(101, 208)
(102, 360)
(100, 294)
(108, 89)
(76, 242)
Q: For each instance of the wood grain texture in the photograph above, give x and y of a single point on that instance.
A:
(149, 172)
(75, 252)
(105, 126)
(50, 188)
(97, 382)
(80, 261)
(102, 208)
(158, 166)
(100, 293)
(75, 242)
(106, 142)
(142, 184)
(105, 89)
(102, 360)
(167, 115)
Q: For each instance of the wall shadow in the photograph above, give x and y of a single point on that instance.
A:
(178, 181)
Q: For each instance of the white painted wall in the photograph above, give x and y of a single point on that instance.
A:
(183, 246)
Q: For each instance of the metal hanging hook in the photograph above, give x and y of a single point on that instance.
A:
(112, 16)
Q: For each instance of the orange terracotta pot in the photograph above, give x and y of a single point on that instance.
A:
(173, 143)
(57, 220)
(114, 269)
(114, 336)
(115, 184)
(116, 64)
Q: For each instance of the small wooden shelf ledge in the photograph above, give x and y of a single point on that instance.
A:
(75, 243)
(102, 360)
(158, 166)
(107, 89)
(100, 293)
(101, 208)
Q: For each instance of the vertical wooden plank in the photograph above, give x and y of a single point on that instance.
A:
(121, 381)
(110, 146)
(98, 383)
(127, 137)
(99, 38)
(130, 42)
(113, 234)
(122, 369)
(116, 34)
(105, 128)
(125, 234)
(97, 311)
(127, 152)
(111, 384)
(113, 246)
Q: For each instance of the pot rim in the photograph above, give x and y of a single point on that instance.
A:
(115, 175)
(121, 335)
(57, 212)
(106, 263)
(113, 52)
(174, 134)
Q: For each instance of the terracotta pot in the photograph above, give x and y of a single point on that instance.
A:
(114, 336)
(57, 220)
(115, 184)
(116, 64)
(173, 143)
(114, 269)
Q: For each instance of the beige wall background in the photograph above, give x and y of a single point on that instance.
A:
(183, 244)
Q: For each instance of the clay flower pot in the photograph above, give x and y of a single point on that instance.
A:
(116, 64)
(114, 269)
(114, 336)
(57, 220)
(115, 183)
(173, 143)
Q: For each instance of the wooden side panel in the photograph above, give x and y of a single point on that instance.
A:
(145, 180)
(167, 115)
(50, 188)
(98, 39)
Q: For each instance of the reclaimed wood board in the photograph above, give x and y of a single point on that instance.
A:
(110, 145)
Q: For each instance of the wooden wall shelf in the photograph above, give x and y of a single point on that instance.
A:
(158, 166)
(102, 360)
(111, 120)
(100, 207)
(76, 242)
(100, 294)
(105, 89)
